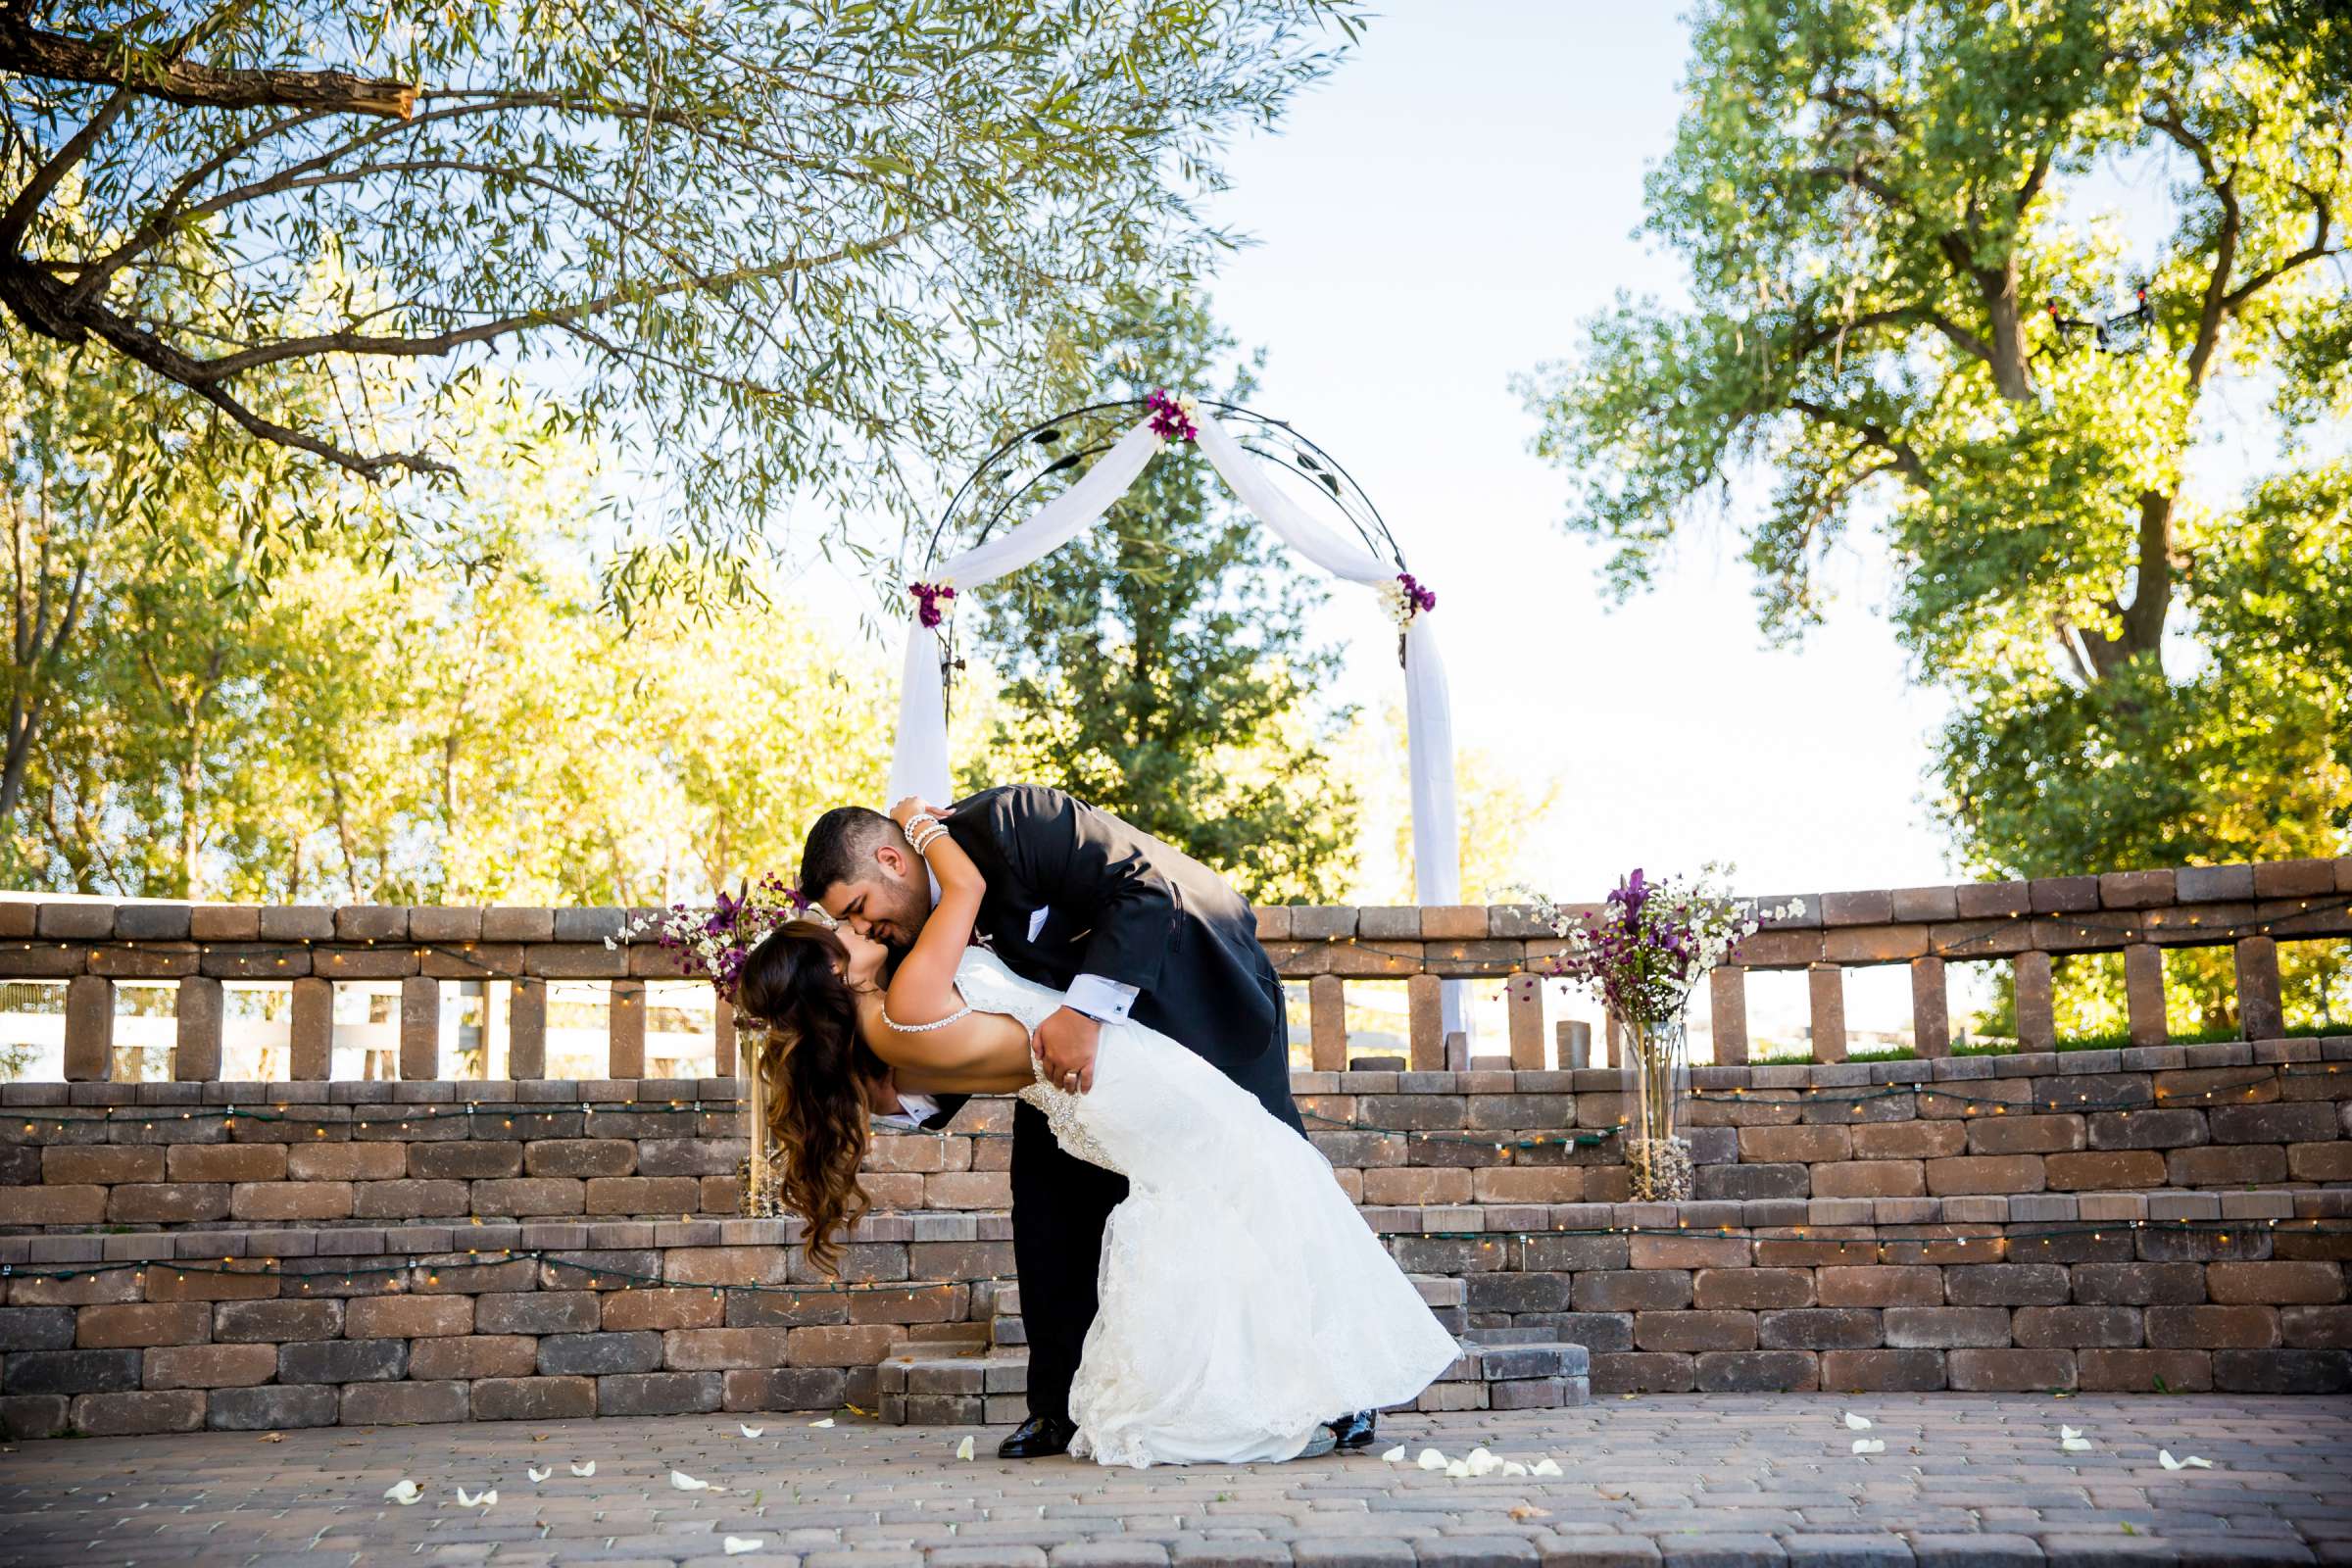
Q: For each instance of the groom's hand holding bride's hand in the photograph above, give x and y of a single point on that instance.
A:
(1065, 1044)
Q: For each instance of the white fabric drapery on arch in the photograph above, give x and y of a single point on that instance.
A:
(920, 760)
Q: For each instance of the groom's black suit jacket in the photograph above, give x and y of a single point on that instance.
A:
(1124, 906)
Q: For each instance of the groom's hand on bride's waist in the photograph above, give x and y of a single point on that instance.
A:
(1065, 1044)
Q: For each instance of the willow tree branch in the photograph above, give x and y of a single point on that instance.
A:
(116, 61)
(440, 343)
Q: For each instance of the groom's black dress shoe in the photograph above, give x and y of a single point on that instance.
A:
(1037, 1438)
(1353, 1431)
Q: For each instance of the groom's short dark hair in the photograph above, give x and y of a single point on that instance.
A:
(839, 847)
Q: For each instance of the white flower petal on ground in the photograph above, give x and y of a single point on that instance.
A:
(484, 1499)
(1482, 1463)
(2075, 1445)
(1512, 1467)
(1457, 1469)
(1431, 1459)
(963, 1450)
(1870, 1446)
(2066, 1432)
(587, 1469)
(680, 1481)
(1545, 1467)
(2164, 1456)
(737, 1545)
(1394, 1454)
(402, 1492)
(536, 1474)
(826, 1422)
(749, 1432)
(1856, 1423)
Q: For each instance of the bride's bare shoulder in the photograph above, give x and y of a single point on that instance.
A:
(968, 1040)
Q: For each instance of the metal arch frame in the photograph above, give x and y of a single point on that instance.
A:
(1257, 435)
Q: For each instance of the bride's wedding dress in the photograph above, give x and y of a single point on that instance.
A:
(1243, 1301)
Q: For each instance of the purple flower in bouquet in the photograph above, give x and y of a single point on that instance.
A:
(711, 943)
(1649, 942)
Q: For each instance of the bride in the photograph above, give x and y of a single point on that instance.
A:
(1242, 1297)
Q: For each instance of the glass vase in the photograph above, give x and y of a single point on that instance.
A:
(758, 1170)
(1654, 1055)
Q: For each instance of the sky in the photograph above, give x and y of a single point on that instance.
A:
(1441, 214)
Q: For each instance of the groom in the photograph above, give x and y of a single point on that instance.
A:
(1125, 926)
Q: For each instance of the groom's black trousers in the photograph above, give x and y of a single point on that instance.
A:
(1059, 1206)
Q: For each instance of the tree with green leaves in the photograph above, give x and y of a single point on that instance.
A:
(55, 468)
(1159, 667)
(782, 248)
(470, 728)
(1907, 310)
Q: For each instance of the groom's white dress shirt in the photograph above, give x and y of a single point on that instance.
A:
(1102, 999)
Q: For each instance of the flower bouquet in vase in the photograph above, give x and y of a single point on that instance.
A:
(1643, 951)
(711, 941)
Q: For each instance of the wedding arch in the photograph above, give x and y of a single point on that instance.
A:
(1242, 456)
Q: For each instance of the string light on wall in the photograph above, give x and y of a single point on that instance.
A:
(601, 1275)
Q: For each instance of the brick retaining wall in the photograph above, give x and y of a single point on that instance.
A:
(162, 1156)
(2158, 1216)
(251, 1330)
(258, 1330)
(2019, 1222)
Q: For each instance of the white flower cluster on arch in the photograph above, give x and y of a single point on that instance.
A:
(919, 760)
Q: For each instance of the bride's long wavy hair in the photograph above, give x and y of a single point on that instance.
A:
(793, 982)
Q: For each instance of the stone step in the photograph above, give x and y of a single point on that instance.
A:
(984, 1389)
(1445, 1295)
(934, 1387)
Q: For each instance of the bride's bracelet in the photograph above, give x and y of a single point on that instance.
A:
(923, 831)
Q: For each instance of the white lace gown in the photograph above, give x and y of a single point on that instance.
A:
(1243, 1301)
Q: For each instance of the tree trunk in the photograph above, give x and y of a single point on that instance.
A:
(2153, 589)
(191, 814)
(23, 729)
(2011, 367)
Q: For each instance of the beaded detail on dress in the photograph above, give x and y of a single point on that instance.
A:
(957, 1016)
(986, 984)
(1066, 1117)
